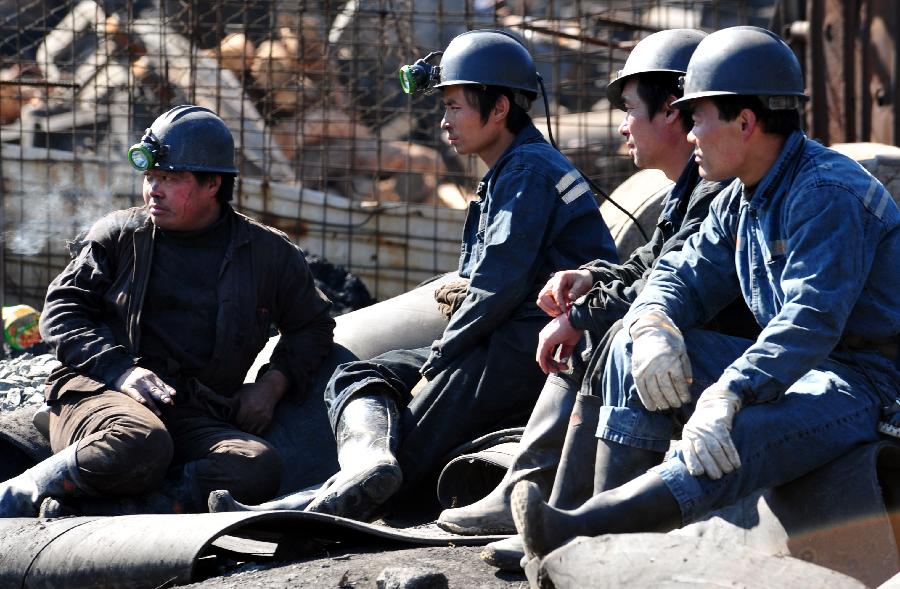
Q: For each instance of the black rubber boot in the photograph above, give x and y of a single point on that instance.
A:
(616, 464)
(588, 466)
(177, 495)
(644, 504)
(536, 461)
(56, 476)
(367, 436)
(574, 483)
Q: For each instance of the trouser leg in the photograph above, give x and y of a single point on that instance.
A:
(121, 447)
(491, 386)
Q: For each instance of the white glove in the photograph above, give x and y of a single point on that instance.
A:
(706, 438)
(659, 363)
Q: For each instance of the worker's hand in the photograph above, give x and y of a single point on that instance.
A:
(145, 387)
(555, 344)
(659, 363)
(258, 401)
(706, 438)
(562, 289)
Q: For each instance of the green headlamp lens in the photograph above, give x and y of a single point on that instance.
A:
(407, 81)
(140, 157)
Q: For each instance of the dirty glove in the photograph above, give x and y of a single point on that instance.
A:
(659, 362)
(450, 296)
(706, 438)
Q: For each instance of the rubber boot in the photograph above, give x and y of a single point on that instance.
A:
(616, 464)
(177, 495)
(574, 480)
(536, 461)
(644, 504)
(56, 476)
(220, 501)
(367, 436)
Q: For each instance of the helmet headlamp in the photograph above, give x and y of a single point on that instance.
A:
(421, 76)
(142, 156)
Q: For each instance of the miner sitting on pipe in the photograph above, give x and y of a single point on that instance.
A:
(535, 215)
(156, 321)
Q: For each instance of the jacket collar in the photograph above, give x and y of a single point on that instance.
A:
(787, 160)
(529, 134)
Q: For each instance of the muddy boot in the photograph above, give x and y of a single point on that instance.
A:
(177, 495)
(644, 504)
(505, 554)
(588, 466)
(537, 459)
(56, 476)
(367, 436)
(574, 480)
(220, 501)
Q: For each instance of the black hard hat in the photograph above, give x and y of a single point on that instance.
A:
(186, 138)
(664, 51)
(489, 57)
(745, 61)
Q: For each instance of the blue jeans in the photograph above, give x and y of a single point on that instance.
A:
(823, 415)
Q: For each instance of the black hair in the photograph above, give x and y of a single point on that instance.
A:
(774, 122)
(226, 188)
(484, 98)
(654, 88)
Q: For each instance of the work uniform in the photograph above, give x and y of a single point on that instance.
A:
(535, 215)
(196, 308)
(812, 250)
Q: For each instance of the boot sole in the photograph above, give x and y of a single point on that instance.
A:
(503, 559)
(476, 530)
(360, 497)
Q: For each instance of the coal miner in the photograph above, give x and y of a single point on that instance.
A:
(591, 301)
(810, 241)
(156, 321)
(535, 214)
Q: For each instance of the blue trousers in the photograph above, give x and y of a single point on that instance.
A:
(826, 413)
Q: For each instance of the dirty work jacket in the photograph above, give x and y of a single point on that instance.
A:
(617, 285)
(92, 312)
(813, 250)
(536, 214)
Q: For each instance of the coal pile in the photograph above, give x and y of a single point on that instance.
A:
(346, 291)
(22, 379)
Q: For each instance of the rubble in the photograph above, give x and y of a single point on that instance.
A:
(22, 379)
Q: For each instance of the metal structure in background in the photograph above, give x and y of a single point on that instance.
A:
(330, 149)
(848, 49)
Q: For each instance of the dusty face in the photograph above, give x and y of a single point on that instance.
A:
(718, 145)
(465, 130)
(177, 202)
(643, 131)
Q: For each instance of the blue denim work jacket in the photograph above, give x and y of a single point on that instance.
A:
(813, 250)
(536, 215)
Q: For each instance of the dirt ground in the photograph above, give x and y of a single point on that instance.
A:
(360, 568)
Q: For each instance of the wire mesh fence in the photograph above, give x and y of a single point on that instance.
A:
(329, 148)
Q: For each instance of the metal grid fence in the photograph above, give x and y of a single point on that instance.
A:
(330, 150)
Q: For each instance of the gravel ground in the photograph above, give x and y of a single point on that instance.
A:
(423, 567)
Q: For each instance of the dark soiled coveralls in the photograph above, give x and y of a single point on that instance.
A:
(196, 308)
(536, 215)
